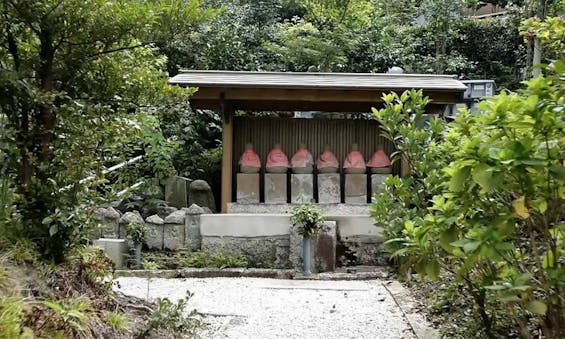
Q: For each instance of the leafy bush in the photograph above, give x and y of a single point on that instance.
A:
(117, 320)
(184, 259)
(11, 314)
(308, 220)
(493, 217)
(171, 316)
(72, 313)
(137, 231)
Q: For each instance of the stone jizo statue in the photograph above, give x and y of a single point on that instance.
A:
(379, 162)
(327, 161)
(354, 161)
(277, 161)
(302, 161)
(249, 161)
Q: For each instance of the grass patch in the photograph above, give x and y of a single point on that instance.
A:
(186, 259)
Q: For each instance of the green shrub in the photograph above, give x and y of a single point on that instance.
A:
(11, 313)
(171, 316)
(72, 313)
(118, 321)
(491, 215)
(137, 231)
(308, 220)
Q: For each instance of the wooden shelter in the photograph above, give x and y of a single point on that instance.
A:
(229, 91)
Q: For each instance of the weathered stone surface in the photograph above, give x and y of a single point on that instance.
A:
(200, 194)
(301, 188)
(109, 213)
(355, 188)
(154, 236)
(177, 217)
(323, 249)
(173, 236)
(110, 229)
(130, 217)
(329, 209)
(247, 188)
(329, 189)
(275, 188)
(116, 250)
(377, 181)
(192, 231)
(260, 251)
(164, 211)
(364, 250)
(244, 225)
(176, 191)
(155, 219)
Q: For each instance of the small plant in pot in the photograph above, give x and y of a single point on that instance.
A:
(308, 221)
(137, 231)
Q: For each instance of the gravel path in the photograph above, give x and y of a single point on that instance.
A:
(271, 308)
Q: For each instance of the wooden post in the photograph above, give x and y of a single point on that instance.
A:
(227, 146)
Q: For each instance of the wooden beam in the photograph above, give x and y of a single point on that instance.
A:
(227, 155)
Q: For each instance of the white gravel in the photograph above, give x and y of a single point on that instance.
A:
(271, 308)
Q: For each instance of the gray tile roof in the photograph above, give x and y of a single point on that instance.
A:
(339, 81)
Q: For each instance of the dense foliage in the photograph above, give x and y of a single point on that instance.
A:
(485, 202)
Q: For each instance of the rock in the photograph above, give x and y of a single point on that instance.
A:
(177, 217)
(176, 191)
(155, 219)
(173, 236)
(194, 209)
(106, 213)
(130, 217)
(200, 193)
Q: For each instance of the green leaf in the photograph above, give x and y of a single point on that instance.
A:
(548, 260)
(458, 179)
(53, 230)
(446, 238)
(470, 246)
(537, 307)
(558, 172)
(432, 269)
(520, 207)
(482, 175)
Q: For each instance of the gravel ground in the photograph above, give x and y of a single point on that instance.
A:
(272, 308)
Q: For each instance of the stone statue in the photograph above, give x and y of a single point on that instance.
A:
(327, 162)
(277, 161)
(354, 161)
(302, 161)
(249, 161)
(379, 162)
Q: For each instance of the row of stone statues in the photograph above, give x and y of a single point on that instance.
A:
(302, 161)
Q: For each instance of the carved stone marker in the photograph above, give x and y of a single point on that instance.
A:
(379, 162)
(302, 161)
(247, 188)
(277, 161)
(155, 232)
(249, 161)
(327, 162)
(275, 188)
(176, 191)
(192, 231)
(116, 250)
(201, 195)
(329, 190)
(302, 188)
(354, 161)
(377, 181)
(355, 189)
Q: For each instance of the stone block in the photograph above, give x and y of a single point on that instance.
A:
(260, 251)
(176, 191)
(323, 249)
(302, 188)
(355, 188)
(192, 228)
(173, 236)
(275, 188)
(116, 250)
(377, 181)
(329, 188)
(154, 236)
(247, 188)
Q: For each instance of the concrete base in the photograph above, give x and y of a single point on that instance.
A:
(355, 188)
(275, 188)
(116, 250)
(302, 188)
(247, 188)
(329, 190)
(377, 181)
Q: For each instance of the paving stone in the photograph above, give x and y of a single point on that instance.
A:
(302, 188)
(275, 188)
(355, 188)
(329, 189)
(247, 188)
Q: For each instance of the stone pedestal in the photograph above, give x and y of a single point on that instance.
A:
(377, 181)
(275, 188)
(247, 188)
(302, 188)
(329, 190)
(355, 188)
(116, 250)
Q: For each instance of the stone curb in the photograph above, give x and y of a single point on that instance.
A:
(247, 273)
(406, 302)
